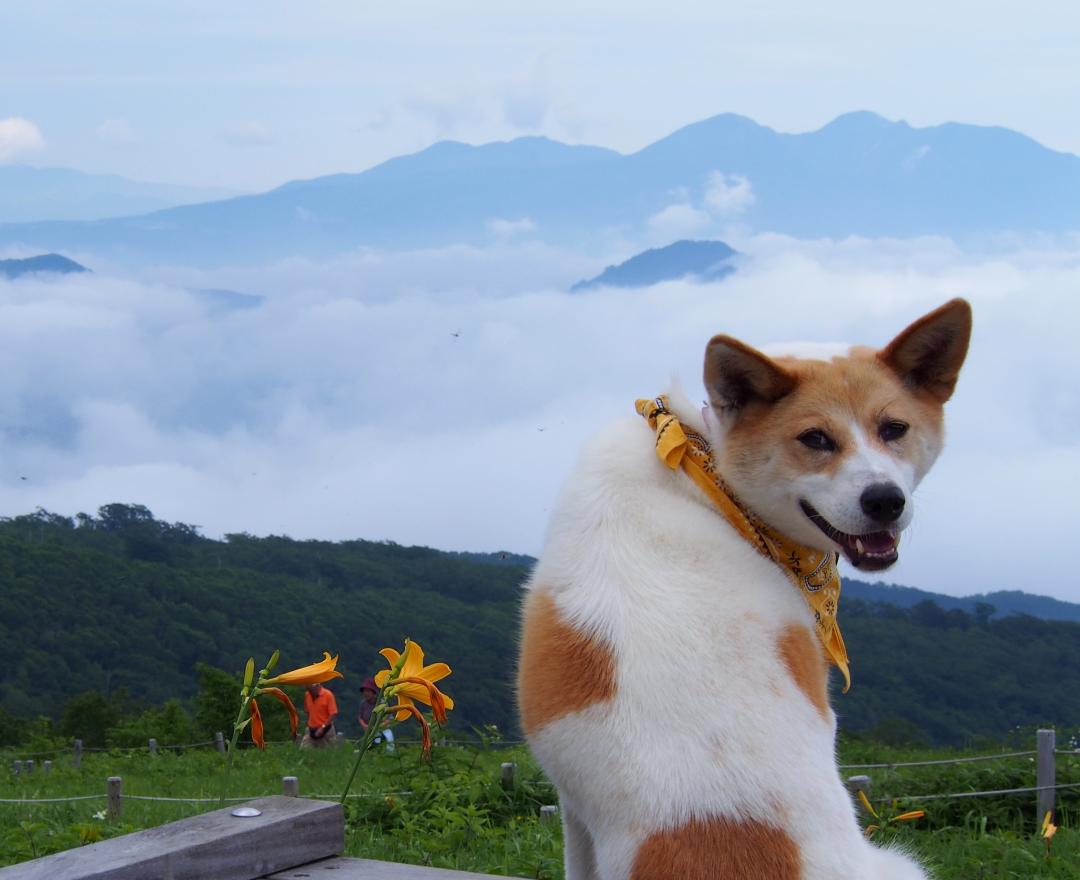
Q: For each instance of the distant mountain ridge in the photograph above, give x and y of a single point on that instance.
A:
(858, 175)
(41, 263)
(1004, 602)
(700, 260)
(31, 195)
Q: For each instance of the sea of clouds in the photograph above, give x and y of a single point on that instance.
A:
(441, 397)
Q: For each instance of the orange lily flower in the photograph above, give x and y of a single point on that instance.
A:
(1049, 829)
(425, 730)
(316, 673)
(283, 698)
(909, 816)
(257, 736)
(414, 681)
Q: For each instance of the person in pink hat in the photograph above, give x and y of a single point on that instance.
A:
(369, 693)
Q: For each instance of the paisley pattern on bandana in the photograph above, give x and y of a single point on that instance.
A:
(813, 572)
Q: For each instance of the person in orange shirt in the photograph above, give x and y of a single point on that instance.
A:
(321, 708)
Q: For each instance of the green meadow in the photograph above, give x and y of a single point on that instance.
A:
(454, 812)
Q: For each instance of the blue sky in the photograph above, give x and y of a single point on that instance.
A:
(248, 95)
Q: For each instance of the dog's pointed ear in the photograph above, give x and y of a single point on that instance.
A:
(736, 374)
(928, 354)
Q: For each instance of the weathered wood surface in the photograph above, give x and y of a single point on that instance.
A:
(214, 846)
(366, 869)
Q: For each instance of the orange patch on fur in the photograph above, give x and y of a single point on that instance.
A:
(708, 849)
(562, 669)
(804, 660)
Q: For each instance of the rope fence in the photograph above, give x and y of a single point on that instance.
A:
(943, 761)
(1045, 788)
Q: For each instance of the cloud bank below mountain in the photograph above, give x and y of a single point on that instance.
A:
(375, 397)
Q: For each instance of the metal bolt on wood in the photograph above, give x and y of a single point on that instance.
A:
(548, 814)
(1044, 773)
(290, 786)
(507, 774)
(114, 789)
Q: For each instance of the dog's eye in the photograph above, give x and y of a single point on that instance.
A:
(890, 431)
(815, 439)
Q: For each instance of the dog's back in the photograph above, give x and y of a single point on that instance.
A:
(673, 686)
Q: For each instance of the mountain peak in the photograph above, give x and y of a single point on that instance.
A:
(862, 120)
(41, 263)
(701, 261)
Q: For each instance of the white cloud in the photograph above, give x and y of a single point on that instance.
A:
(678, 221)
(17, 136)
(402, 396)
(728, 194)
(248, 133)
(116, 132)
(504, 229)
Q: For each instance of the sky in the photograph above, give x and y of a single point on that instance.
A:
(246, 95)
(440, 397)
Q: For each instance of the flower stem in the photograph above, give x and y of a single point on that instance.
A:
(249, 694)
(374, 726)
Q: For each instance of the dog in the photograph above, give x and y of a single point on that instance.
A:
(672, 680)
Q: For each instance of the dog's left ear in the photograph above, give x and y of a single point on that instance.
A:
(736, 374)
(928, 354)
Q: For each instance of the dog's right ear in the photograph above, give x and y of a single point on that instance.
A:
(736, 374)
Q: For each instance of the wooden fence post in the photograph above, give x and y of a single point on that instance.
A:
(507, 774)
(28, 766)
(219, 741)
(114, 789)
(16, 767)
(76, 758)
(854, 785)
(46, 766)
(153, 746)
(548, 814)
(1044, 774)
(290, 786)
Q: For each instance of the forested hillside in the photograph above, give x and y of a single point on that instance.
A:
(121, 600)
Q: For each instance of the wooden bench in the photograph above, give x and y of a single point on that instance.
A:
(289, 839)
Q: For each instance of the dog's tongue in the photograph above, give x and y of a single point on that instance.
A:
(873, 550)
(878, 542)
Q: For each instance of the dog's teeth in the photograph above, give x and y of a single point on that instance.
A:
(859, 545)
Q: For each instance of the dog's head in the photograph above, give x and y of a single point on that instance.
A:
(828, 451)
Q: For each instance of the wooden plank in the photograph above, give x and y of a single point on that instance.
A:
(366, 869)
(213, 846)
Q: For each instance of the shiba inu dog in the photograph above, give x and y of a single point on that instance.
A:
(678, 627)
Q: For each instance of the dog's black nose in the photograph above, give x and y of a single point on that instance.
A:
(883, 502)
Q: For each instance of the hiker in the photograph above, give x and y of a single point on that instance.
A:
(369, 693)
(321, 708)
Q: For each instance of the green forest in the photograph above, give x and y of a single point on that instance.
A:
(123, 611)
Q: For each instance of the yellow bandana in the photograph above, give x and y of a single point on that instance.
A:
(813, 572)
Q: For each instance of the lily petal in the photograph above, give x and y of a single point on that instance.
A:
(256, 726)
(283, 698)
(315, 673)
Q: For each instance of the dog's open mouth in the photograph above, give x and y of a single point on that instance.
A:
(870, 552)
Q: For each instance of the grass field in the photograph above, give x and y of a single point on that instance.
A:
(454, 812)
